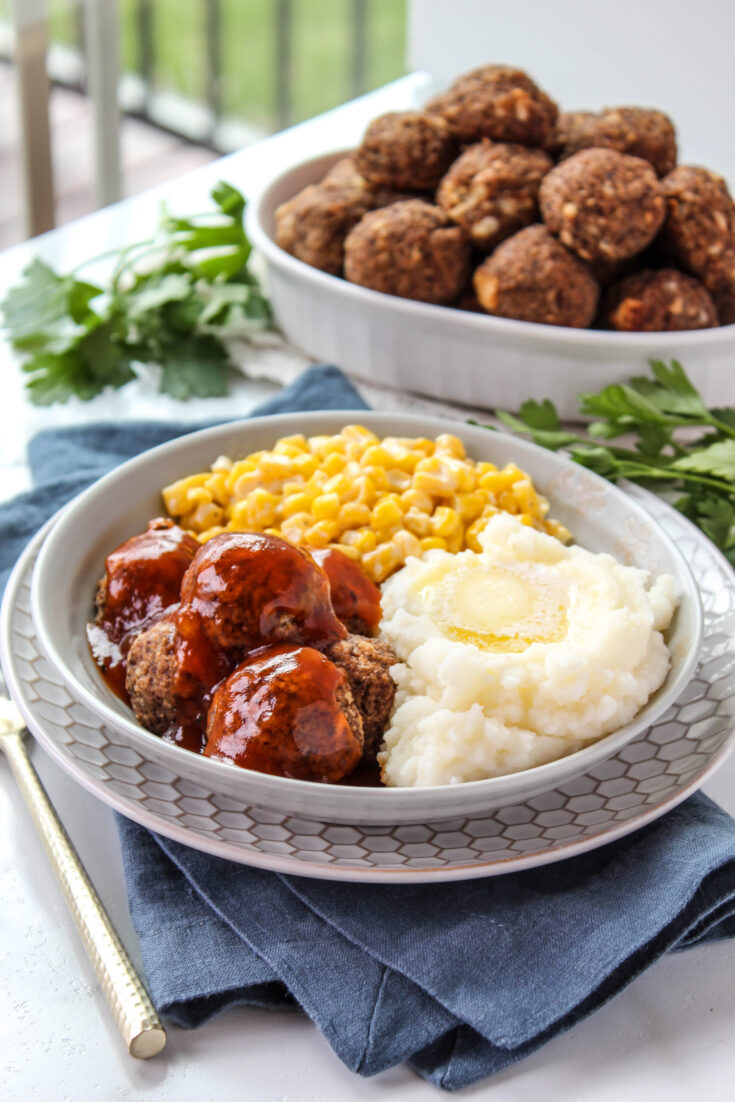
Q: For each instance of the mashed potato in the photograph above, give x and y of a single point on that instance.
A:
(516, 655)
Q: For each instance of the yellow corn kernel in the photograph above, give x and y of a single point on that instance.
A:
(455, 541)
(353, 515)
(261, 508)
(205, 516)
(245, 484)
(359, 433)
(508, 502)
(462, 473)
(350, 552)
(295, 503)
(485, 468)
(377, 476)
(415, 499)
(304, 465)
(386, 514)
(492, 481)
(407, 544)
(291, 446)
(427, 482)
(556, 528)
(222, 463)
(217, 486)
(473, 532)
(398, 480)
(470, 505)
(325, 506)
(365, 488)
(292, 486)
(417, 522)
(431, 543)
(339, 484)
(378, 564)
(445, 522)
(364, 539)
(210, 532)
(321, 533)
(273, 532)
(401, 457)
(334, 463)
(273, 466)
(450, 445)
(377, 456)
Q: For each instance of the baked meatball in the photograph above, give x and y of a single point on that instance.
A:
(143, 577)
(367, 662)
(313, 225)
(719, 279)
(640, 131)
(602, 204)
(497, 102)
(664, 300)
(355, 598)
(531, 277)
(406, 150)
(245, 590)
(491, 191)
(345, 174)
(410, 249)
(700, 220)
(287, 711)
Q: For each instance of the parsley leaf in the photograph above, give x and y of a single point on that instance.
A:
(173, 301)
(652, 411)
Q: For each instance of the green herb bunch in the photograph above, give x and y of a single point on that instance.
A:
(170, 302)
(679, 447)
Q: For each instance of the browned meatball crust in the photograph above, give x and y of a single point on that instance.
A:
(719, 279)
(491, 190)
(313, 225)
(152, 674)
(410, 249)
(406, 150)
(665, 300)
(497, 102)
(603, 205)
(700, 221)
(531, 277)
(639, 131)
(367, 662)
(287, 711)
(345, 174)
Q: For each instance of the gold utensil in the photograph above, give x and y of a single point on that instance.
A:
(128, 999)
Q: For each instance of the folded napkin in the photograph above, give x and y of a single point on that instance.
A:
(458, 979)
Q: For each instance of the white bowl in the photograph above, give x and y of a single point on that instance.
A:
(475, 359)
(71, 561)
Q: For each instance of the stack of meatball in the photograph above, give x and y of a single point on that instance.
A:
(490, 200)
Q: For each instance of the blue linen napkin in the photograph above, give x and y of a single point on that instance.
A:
(458, 979)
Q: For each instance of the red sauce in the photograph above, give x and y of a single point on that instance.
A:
(246, 590)
(247, 685)
(278, 713)
(355, 598)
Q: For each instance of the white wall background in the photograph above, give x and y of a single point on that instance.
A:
(678, 55)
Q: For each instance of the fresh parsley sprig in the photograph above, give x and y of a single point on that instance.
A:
(173, 300)
(679, 446)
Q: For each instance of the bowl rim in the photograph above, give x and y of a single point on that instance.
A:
(270, 786)
(530, 332)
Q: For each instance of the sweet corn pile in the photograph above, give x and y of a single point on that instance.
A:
(378, 501)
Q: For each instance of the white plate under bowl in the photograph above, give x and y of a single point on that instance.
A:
(71, 561)
(647, 777)
(476, 359)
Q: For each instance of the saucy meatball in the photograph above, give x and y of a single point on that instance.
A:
(531, 277)
(367, 662)
(287, 711)
(640, 131)
(313, 225)
(700, 221)
(355, 598)
(664, 300)
(406, 150)
(497, 102)
(143, 577)
(410, 249)
(245, 590)
(603, 205)
(491, 191)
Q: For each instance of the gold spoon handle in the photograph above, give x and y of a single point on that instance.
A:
(132, 1009)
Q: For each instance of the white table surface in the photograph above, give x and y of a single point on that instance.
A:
(669, 1036)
